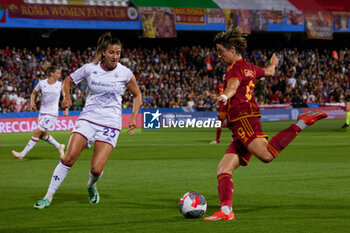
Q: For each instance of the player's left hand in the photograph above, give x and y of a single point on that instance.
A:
(274, 60)
(132, 127)
(222, 99)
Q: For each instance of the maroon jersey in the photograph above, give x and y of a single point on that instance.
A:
(243, 103)
(220, 89)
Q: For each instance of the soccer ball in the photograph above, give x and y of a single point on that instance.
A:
(192, 205)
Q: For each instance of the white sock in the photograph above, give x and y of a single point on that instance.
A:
(58, 176)
(49, 196)
(301, 124)
(29, 146)
(52, 141)
(226, 209)
(93, 179)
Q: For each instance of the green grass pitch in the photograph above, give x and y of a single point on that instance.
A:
(306, 189)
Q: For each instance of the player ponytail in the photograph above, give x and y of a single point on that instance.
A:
(232, 37)
(103, 41)
(50, 68)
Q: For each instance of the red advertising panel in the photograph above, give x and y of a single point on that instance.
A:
(72, 12)
(29, 124)
(127, 117)
(189, 15)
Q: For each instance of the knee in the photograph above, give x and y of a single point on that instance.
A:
(266, 157)
(69, 158)
(223, 169)
(38, 133)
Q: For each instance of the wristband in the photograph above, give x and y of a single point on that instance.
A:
(224, 96)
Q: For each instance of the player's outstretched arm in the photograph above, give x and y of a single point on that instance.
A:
(270, 70)
(134, 89)
(230, 91)
(67, 101)
(32, 100)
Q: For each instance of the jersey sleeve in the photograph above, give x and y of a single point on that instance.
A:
(259, 72)
(235, 73)
(79, 75)
(129, 75)
(37, 87)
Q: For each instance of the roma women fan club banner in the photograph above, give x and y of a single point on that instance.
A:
(157, 22)
(46, 11)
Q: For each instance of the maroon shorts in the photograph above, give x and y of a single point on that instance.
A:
(244, 131)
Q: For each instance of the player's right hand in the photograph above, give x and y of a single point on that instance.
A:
(32, 105)
(66, 103)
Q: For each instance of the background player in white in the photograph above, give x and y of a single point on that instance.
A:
(51, 91)
(101, 119)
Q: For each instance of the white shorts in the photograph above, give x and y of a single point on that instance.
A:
(45, 121)
(93, 132)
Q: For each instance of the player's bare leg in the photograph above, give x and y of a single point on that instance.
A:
(101, 155)
(258, 147)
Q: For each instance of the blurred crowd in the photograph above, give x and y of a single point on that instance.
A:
(183, 76)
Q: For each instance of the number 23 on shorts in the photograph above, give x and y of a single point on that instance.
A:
(109, 132)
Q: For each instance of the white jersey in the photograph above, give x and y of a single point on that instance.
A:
(104, 92)
(50, 96)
